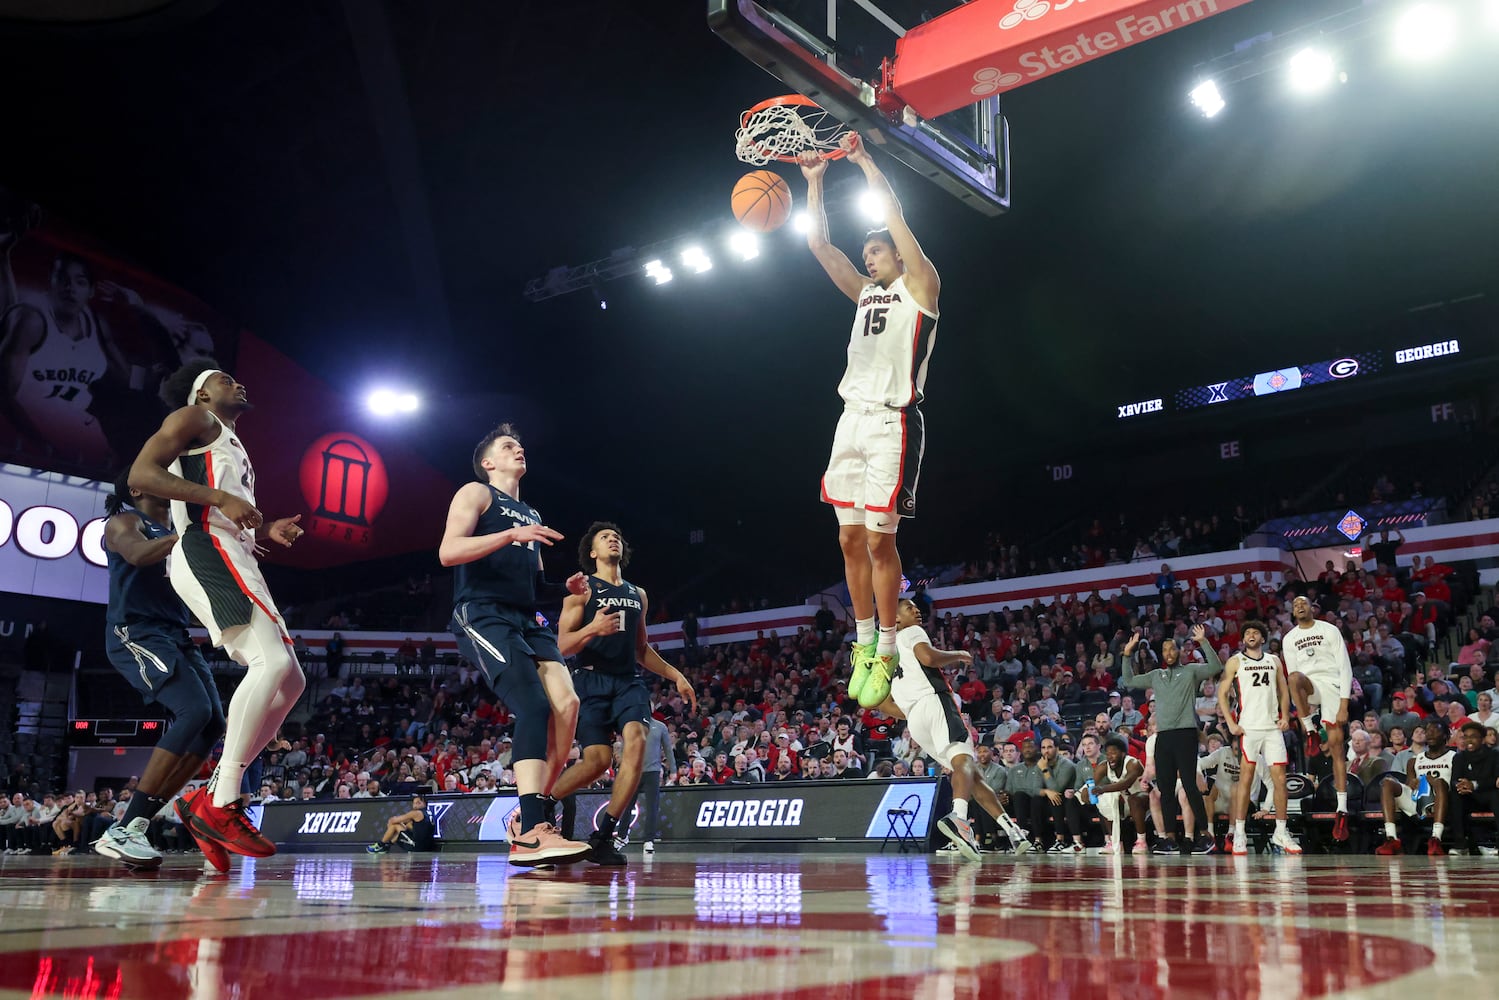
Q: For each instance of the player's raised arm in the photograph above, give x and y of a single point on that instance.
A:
(834, 261)
(21, 334)
(921, 276)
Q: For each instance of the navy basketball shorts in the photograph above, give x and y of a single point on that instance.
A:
(498, 637)
(151, 655)
(607, 703)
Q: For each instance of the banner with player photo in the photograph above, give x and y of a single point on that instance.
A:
(85, 340)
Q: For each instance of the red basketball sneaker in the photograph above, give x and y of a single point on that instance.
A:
(1390, 847)
(1435, 849)
(216, 855)
(1340, 827)
(225, 825)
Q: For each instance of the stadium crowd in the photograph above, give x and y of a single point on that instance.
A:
(1042, 695)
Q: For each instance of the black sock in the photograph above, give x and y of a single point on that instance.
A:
(606, 824)
(550, 805)
(142, 804)
(533, 811)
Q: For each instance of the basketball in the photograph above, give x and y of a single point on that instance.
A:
(762, 201)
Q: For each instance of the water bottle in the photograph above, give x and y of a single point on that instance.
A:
(1092, 796)
(1423, 787)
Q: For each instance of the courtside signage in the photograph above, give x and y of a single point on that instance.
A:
(853, 809)
(986, 47)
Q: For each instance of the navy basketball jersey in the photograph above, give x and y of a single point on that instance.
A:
(507, 575)
(612, 654)
(143, 593)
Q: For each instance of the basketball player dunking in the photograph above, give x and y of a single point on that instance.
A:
(605, 629)
(1321, 675)
(1258, 681)
(147, 642)
(494, 541)
(196, 460)
(876, 457)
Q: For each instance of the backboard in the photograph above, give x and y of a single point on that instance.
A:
(835, 51)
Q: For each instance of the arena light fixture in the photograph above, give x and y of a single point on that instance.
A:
(801, 222)
(1206, 98)
(657, 271)
(872, 206)
(390, 403)
(695, 258)
(1425, 31)
(1311, 70)
(745, 244)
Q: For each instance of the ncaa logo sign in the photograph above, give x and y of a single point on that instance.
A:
(1028, 10)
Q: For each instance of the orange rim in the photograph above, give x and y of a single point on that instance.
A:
(799, 101)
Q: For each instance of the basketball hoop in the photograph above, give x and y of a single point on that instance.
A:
(784, 127)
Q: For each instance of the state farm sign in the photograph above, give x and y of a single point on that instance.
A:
(987, 47)
(52, 535)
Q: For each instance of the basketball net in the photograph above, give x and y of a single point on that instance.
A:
(783, 128)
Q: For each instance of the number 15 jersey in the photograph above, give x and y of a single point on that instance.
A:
(889, 348)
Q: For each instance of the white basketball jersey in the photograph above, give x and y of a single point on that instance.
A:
(1435, 767)
(1116, 776)
(914, 682)
(889, 348)
(223, 464)
(1254, 690)
(55, 384)
(1315, 650)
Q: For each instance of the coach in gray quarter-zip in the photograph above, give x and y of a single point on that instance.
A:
(1175, 685)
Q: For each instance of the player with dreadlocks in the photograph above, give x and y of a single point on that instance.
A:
(147, 642)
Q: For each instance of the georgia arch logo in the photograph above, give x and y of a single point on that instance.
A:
(345, 484)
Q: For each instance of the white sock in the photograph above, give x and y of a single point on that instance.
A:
(223, 785)
(1436, 830)
(887, 640)
(1389, 831)
(1280, 828)
(1240, 836)
(959, 808)
(864, 629)
(1342, 802)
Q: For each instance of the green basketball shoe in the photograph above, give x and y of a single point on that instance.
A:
(876, 687)
(861, 657)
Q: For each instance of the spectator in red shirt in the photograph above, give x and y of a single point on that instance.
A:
(972, 690)
(1424, 619)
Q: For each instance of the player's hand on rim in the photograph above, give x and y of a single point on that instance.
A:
(852, 144)
(812, 164)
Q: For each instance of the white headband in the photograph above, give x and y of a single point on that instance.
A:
(198, 383)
